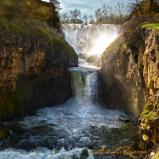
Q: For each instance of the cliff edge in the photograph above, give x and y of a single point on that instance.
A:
(34, 58)
(130, 70)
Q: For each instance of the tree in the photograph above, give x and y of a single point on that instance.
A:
(65, 18)
(75, 16)
(91, 19)
(120, 8)
(85, 17)
(105, 12)
(108, 15)
(56, 3)
(145, 9)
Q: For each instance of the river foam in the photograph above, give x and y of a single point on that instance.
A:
(46, 154)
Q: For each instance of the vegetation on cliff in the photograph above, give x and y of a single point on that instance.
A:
(34, 57)
(13, 10)
(149, 124)
(133, 60)
(29, 17)
(154, 26)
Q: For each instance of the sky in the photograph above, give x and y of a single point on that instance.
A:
(89, 6)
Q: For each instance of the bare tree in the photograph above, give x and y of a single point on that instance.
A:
(98, 14)
(107, 14)
(105, 11)
(91, 19)
(85, 17)
(65, 18)
(120, 9)
(75, 15)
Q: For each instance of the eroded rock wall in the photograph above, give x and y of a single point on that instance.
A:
(151, 66)
(33, 73)
(130, 76)
(135, 69)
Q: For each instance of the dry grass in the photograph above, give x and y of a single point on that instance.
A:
(154, 26)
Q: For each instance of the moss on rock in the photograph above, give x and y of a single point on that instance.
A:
(35, 91)
(34, 58)
(149, 124)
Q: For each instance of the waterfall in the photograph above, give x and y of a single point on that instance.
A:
(78, 84)
(91, 87)
(85, 86)
(90, 40)
(62, 131)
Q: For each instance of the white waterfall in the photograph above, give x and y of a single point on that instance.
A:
(85, 86)
(78, 85)
(91, 87)
(90, 40)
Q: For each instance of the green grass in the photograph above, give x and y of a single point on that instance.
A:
(148, 113)
(29, 17)
(154, 26)
(28, 27)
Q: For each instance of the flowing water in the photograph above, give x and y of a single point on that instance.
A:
(67, 131)
(90, 40)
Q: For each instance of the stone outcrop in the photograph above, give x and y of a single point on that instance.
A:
(34, 58)
(34, 73)
(138, 75)
(122, 83)
(151, 66)
(130, 76)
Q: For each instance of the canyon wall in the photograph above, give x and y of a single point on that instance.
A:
(130, 76)
(34, 62)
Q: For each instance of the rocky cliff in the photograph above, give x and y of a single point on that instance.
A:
(120, 74)
(34, 62)
(130, 73)
(130, 69)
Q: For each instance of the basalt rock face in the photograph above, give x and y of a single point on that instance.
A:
(33, 72)
(149, 119)
(122, 84)
(34, 58)
(130, 76)
(151, 66)
(130, 72)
